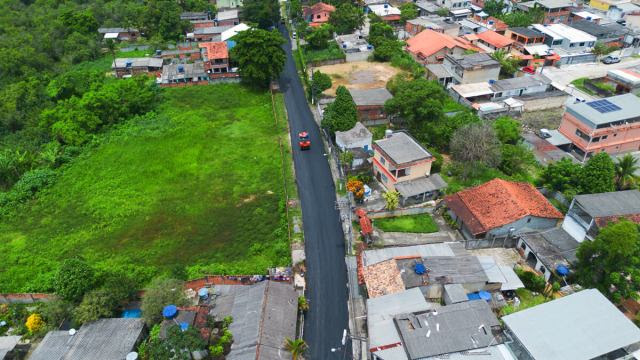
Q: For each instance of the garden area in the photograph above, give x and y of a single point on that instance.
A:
(421, 223)
(594, 87)
(196, 185)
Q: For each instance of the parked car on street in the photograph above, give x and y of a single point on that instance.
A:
(611, 59)
(303, 140)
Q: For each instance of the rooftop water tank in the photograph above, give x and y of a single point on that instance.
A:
(169, 311)
(419, 269)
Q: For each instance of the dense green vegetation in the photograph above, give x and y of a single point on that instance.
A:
(422, 223)
(198, 183)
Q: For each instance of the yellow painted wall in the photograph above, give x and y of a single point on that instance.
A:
(599, 4)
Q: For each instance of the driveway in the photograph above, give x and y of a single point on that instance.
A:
(324, 240)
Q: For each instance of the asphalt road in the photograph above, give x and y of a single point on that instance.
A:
(326, 274)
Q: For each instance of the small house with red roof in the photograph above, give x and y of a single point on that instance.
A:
(430, 47)
(491, 41)
(216, 57)
(318, 13)
(499, 207)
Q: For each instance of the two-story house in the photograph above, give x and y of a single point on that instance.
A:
(555, 11)
(573, 46)
(588, 213)
(400, 163)
(318, 13)
(522, 37)
(467, 69)
(215, 56)
(611, 125)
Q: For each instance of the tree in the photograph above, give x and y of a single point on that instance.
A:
(34, 323)
(340, 115)
(296, 347)
(521, 18)
(264, 13)
(295, 10)
(562, 176)
(346, 158)
(56, 312)
(598, 175)
(387, 49)
(392, 200)
(626, 168)
(160, 293)
(494, 7)
(319, 83)
(356, 187)
(611, 262)
(418, 102)
(73, 279)
(379, 32)
(408, 11)
(346, 18)
(318, 37)
(507, 129)
(476, 143)
(601, 49)
(515, 159)
(508, 64)
(303, 304)
(162, 18)
(96, 304)
(259, 55)
(442, 11)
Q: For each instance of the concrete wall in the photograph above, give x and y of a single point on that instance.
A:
(527, 222)
(520, 92)
(480, 75)
(543, 103)
(358, 56)
(539, 266)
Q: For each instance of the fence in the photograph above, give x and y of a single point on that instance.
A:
(25, 298)
(326, 62)
(495, 242)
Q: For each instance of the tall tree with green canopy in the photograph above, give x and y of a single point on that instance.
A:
(158, 294)
(507, 129)
(162, 18)
(418, 102)
(516, 158)
(318, 37)
(626, 168)
(611, 262)
(562, 176)
(340, 115)
(598, 175)
(408, 11)
(494, 7)
(346, 18)
(380, 31)
(259, 55)
(387, 49)
(319, 83)
(264, 13)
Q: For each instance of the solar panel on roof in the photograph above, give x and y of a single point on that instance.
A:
(603, 106)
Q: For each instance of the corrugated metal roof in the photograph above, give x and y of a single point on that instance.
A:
(370, 257)
(583, 325)
(421, 185)
(610, 203)
(402, 148)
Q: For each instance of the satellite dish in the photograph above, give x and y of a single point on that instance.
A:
(72, 332)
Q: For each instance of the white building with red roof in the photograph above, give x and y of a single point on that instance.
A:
(499, 207)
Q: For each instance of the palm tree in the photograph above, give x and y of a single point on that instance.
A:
(303, 304)
(296, 347)
(626, 167)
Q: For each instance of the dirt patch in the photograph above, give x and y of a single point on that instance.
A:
(541, 119)
(358, 75)
(247, 200)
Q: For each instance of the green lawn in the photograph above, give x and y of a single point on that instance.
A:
(422, 223)
(332, 52)
(450, 105)
(199, 185)
(527, 300)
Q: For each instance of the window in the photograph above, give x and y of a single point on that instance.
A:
(318, 16)
(542, 269)
(582, 135)
(572, 45)
(528, 220)
(402, 172)
(382, 160)
(523, 246)
(595, 139)
(582, 44)
(604, 137)
(384, 178)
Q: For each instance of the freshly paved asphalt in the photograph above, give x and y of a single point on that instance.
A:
(326, 274)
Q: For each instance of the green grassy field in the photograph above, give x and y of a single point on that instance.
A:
(422, 223)
(199, 185)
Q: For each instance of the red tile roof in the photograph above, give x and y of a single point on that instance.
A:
(605, 220)
(493, 38)
(317, 7)
(215, 50)
(429, 42)
(497, 203)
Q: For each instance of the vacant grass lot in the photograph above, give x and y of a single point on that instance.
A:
(422, 223)
(199, 186)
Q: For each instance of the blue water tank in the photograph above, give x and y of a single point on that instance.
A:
(184, 326)
(419, 269)
(170, 311)
(562, 270)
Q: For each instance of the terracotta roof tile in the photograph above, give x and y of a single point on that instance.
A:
(429, 42)
(215, 50)
(383, 278)
(493, 38)
(322, 7)
(499, 202)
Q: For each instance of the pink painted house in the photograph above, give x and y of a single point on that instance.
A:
(318, 13)
(611, 125)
